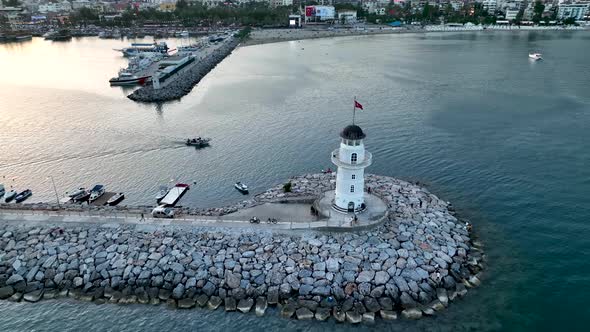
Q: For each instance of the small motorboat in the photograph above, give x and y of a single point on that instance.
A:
(536, 56)
(241, 187)
(2, 190)
(9, 196)
(81, 197)
(198, 142)
(116, 199)
(162, 193)
(22, 196)
(77, 192)
(96, 192)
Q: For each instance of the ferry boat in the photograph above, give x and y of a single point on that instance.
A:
(23, 196)
(127, 78)
(536, 56)
(241, 187)
(137, 48)
(96, 192)
(116, 199)
(9, 196)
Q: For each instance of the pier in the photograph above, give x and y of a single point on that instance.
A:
(171, 86)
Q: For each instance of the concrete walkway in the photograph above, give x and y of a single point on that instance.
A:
(115, 219)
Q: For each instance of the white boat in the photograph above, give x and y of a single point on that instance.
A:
(116, 199)
(9, 196)
(76, 192)
(137, 48)
(241, 187)
(184, 34)
(536, 56)
(162, 193)
(127, 78)
(96, 192)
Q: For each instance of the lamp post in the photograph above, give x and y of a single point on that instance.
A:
(55, 190)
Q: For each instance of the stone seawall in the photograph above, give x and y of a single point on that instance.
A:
(184, 82)
(414, 264)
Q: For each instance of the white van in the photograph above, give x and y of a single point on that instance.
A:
(162, 212)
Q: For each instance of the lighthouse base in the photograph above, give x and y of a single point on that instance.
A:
(373, 209)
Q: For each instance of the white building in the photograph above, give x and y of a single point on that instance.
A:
(348, 16)
(511, 14)
(279, 3)
(60, 7)
(576, 10)
(490, 5)
(351, 160)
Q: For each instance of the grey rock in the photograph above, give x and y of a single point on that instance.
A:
(412, 313)
(261, 305)
(232, 280)
(365, 276)
(369, 317)
(15, 278)
(230, 304)
(186, 303)
(322, 314)
(388, 314)
(353, 317)
(6, 292)
(245, 305)
(304, 314)
(214, 302)
(34, 296)
(178, 291)
(381, 277)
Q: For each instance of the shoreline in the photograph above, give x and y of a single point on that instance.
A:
(412, 265)
(269, 36)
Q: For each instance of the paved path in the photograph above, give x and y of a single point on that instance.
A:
(115, 219)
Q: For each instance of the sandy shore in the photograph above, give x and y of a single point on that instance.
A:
(266, 36)
(280, 35)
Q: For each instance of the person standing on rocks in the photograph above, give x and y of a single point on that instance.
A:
(142, 217)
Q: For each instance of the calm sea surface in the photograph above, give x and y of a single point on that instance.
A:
(505, 139)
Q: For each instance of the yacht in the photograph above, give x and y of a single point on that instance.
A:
(536, 56)
(137, 48)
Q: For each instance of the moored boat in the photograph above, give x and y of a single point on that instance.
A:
(126, 78)
(162, 193)
(9, 196)
(96, 192)
(137, 48)
(76, 192)
(22, 196)
(63, 34)
(241, 187)
(116, 199)
(2, 190)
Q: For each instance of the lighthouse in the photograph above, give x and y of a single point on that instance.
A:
(351, 160)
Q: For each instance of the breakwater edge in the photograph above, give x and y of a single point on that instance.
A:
(413, 264)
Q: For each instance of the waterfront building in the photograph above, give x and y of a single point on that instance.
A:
(511, 14)
(576, 10)
(58, 7)
(490, 5)
(351, 160)
(347, 16)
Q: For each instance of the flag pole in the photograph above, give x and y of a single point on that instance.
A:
(353, 110)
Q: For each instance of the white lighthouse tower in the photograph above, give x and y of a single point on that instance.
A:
(351, 159)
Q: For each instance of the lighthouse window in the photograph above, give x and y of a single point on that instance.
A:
(351, 189)
(353, 158)
(354, 176)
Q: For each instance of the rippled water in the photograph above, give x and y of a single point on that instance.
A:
(504, 138)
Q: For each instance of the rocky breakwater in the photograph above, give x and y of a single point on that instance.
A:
(414, 264)
(182, 83)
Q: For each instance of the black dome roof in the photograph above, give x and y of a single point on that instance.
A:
(352, 132)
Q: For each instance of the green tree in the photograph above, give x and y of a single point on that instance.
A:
(11, 3)
(569, 21)
(538, 10)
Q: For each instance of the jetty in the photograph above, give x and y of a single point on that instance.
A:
(175, 84)
(174, 195)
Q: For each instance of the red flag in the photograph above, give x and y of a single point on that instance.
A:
(357, 105)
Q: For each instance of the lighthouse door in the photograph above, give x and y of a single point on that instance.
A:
(350, 206)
